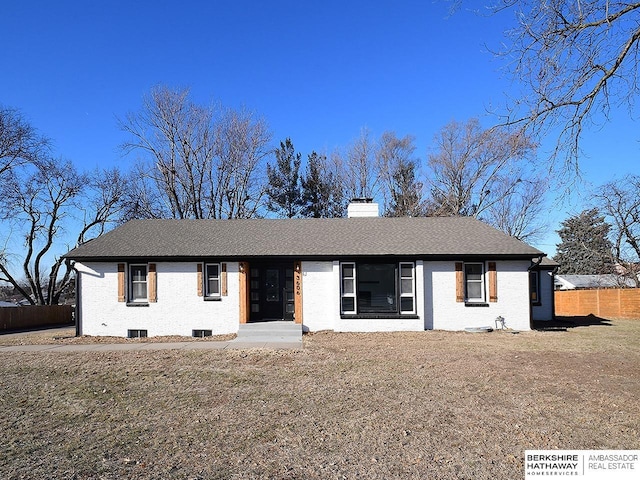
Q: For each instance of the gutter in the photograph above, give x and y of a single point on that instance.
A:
(535, 263)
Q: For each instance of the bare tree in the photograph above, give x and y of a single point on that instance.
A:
(238, 179)
(177, 142)
(519, 209)
(41, 207)
(486, 174)
(576, 58)
(358, 167)
(101, 203)
(471, 167)
(195, 162)
(620, 202)
(141, 198)
(20, 142)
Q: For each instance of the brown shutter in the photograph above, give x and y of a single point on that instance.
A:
(223, 280)
(153, 284)
(121, 284)
(244, 291)
(493, 282)
(297, 286)
(459, 282)
(199, 270)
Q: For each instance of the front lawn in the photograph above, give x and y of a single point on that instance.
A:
(397, 405)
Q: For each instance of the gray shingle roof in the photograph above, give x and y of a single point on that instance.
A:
(549, 263)
(304, 238)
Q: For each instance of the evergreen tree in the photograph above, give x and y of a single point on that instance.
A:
(321, 192)
(406, 198)
(585, 248)
(284, 195)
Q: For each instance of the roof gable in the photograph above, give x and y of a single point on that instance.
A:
(304, 237)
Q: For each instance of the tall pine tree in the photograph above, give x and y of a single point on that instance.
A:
(284, 194)
(406, 198)
(321, 192)
(585, 248)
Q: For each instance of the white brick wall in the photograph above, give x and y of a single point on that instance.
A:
(320, 295)
(442, 312)
(321, 303)
(544, 311)
(178, 311)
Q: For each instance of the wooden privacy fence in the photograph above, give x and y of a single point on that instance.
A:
(33, 316)
(604, 303)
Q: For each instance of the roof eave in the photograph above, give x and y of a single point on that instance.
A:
(318, 257)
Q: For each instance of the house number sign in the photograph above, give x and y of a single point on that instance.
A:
(298, 278)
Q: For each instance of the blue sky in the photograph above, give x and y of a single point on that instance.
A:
(318, 72)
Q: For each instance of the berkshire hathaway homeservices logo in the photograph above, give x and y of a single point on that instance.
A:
(583, 464)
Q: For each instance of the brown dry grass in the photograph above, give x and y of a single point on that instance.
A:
(401, 405)
(66, 336)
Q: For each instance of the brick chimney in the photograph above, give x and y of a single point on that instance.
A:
(362, 207)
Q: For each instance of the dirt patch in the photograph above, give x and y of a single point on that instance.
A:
(446, 405)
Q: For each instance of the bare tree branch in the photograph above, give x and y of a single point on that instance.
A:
(20, 143)
(620, 202)
(575, 59)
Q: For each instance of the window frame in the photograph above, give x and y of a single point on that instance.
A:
(482, 281)
(411, 294)
(137, 333)
(131, 282)
(348, 295)
(534, 287)
(201, 333)
(398, 286)
(207, 292)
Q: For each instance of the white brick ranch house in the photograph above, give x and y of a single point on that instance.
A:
(201, 277)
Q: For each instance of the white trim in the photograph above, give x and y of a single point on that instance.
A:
(354, 288)
(206, 277)
(411, 294)
(482, 282)
(131, 281)
(399, 294)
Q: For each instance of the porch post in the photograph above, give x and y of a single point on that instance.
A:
(297, 295)
(243, 274)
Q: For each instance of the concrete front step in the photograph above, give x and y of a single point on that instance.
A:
(270, 332)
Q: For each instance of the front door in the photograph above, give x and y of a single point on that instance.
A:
(271, 292)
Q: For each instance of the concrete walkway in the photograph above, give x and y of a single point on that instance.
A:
(269, 335)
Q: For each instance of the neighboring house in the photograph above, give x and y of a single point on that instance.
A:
(201, 277)
(612, 280)
(541, 283)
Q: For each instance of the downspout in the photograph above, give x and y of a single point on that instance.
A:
(77, 313)
(534, 264)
